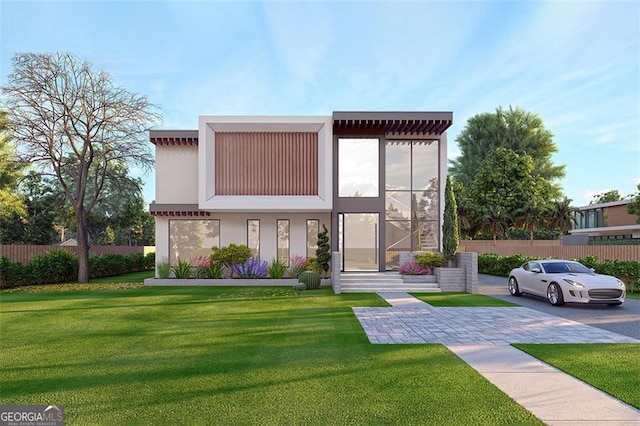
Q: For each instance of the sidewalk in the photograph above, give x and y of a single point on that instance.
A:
(482, 336)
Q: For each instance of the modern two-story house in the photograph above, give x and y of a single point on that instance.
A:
(374, 179)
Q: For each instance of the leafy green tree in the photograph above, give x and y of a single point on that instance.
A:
(561, 216)
(465, 210)
(450, 232)
(72, 121)
(42, 206)
(606, 197)
(517, 131)
(11, 202)
(530, 218)
(634, 206)
(505, 182)
(496, 222)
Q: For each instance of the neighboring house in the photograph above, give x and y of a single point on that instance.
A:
(606, 221)
(374, 179)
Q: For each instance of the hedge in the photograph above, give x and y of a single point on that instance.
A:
(58, 266)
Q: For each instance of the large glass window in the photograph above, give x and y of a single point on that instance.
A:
(313, 227)
(412, 197)
(191, 238)
(283, 241)
(358, 167)
(253, 236)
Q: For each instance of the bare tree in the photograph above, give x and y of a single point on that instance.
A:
(72, 122)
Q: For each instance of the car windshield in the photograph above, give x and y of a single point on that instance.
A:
(565, 267)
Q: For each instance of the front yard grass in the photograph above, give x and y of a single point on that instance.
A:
(612, 368)
(461, 299)
(224, 355)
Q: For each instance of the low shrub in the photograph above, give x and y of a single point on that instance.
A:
(150, 260)
(232, 254)
(429, 259)
(201, 265)
(164, 270)
(251, 269)
(314, 265)
(12, 274)
(412, 268)
(215, 271)
(276, 269)
(55, 266)
(182, 270)
(297, 265)
(300, 287)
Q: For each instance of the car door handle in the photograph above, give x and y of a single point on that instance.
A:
(544, 281)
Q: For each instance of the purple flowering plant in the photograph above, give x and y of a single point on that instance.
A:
(412, 268)
(252, 268)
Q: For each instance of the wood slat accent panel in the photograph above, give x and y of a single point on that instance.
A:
(551, 249)
(260, 163)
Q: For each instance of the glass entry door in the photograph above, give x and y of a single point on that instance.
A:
(358, 234)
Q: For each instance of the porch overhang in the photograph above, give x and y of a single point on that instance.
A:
(392, 123)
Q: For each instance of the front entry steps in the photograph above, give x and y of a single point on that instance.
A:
(387, 282)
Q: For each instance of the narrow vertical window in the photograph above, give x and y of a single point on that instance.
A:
(253, 236)
(313, 227)
(283, 241)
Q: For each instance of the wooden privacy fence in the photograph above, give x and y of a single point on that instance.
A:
(551, 249)
(24, 253)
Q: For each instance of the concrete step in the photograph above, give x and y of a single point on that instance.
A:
(384, 287)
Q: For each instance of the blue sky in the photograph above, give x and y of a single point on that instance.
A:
(574, 63)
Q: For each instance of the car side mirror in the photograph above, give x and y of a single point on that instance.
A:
(536, 270)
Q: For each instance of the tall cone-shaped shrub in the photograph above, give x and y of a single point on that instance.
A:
(450, 232)
(323, 251)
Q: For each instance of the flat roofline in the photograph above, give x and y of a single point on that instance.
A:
(393, 115)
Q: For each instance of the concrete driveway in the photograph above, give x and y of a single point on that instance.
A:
(623, 319)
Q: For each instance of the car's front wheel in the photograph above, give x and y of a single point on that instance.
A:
(554, 295)
(513, 287)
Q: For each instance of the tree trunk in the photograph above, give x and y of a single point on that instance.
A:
(83, 244)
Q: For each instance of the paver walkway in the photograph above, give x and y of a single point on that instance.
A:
(482, 337)
(413, 321)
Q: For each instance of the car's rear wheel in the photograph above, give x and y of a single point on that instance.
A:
(514, 289)
(554, 295)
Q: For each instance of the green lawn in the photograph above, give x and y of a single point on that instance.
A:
(612, 368)
(221, 355)
(461, 299)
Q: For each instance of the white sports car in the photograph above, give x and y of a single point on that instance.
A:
(562, 281)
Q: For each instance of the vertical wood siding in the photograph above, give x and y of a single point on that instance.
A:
(257, 163)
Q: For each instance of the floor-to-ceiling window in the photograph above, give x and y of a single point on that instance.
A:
(359, 194)
(412, 197)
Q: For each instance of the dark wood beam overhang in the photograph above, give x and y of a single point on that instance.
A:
(173, 137)
(177, 210)
(394, 123)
